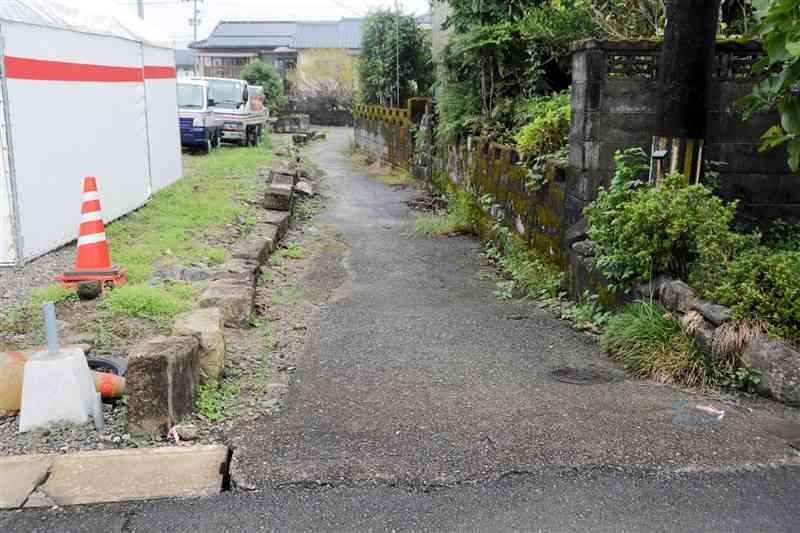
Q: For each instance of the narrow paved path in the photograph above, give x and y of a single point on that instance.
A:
(415, 374)
(422, 403)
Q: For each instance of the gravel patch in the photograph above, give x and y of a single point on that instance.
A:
(17, 283)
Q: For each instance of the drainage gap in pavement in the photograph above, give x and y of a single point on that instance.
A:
(580, 376)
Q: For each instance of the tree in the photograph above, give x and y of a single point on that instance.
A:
(779, 27)
(684, 75)
(390, 39)
(259, 73)
(327, 78)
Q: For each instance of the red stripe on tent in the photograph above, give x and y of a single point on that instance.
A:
(158, 73)
(38, 69)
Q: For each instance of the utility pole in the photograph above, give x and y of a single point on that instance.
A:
(140, 8)
(397, 51)
(684, 77)
(194, 21)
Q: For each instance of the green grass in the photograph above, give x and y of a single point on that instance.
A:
(143, 301)
(650, 343)
(293, 250)
(214, 398)
(537, 276)
(164, 229)
(55, 293)
(461, 216)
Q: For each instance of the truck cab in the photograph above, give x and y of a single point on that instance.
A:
(199, 128)
(239, 124)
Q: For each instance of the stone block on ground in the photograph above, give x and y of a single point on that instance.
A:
(206, 326)
(279, 192)
(258, 244)
(161, 382)
(700, 330)
(279, 219)
(234, 299)
(304, 188)
(585, 248)
(652, 288)
(238, 270)
(779, 364)
(677, 296)
(714, 313)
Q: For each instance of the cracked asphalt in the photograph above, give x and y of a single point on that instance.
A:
(419, 405)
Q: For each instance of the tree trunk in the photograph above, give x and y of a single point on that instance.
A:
(684, 75)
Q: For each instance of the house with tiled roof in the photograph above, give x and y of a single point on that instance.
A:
(287, 45)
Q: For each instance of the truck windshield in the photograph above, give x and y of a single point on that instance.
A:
(190, 96)
(225, 93)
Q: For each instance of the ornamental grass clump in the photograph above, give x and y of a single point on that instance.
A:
(650, 343)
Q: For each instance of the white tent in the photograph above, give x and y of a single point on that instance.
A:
(86, 90)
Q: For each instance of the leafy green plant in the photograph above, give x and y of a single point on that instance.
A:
(254, 320)
(293, 250)
(779, 28)
(546, 129)
(214, 398)
(505, 289)
(783, 236)
(588, 313)
(744, 377)
(641, 231)
(259, 73)
(760, 284)
(143, 301)
(650, 343)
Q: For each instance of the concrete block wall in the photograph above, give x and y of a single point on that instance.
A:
(388, 133)
(614, 102)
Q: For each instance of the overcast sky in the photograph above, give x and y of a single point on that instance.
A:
(173, 16)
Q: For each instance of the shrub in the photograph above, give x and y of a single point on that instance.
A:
(546, 130)
(650, 343)
(143, 301)
(458, 109)
(760, 284)
(644, 230)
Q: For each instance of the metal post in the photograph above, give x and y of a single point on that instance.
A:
(397, 51)
(51, 328)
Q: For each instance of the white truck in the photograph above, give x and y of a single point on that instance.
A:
(199, 128)
(229, 99)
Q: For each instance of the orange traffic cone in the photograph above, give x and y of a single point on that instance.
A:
(93, 262)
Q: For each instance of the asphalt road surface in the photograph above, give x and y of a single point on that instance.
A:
(422, 403)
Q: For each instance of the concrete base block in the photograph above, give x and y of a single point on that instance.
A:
(234, 299)
(56, 388)
(162, 379)
(112, 476)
